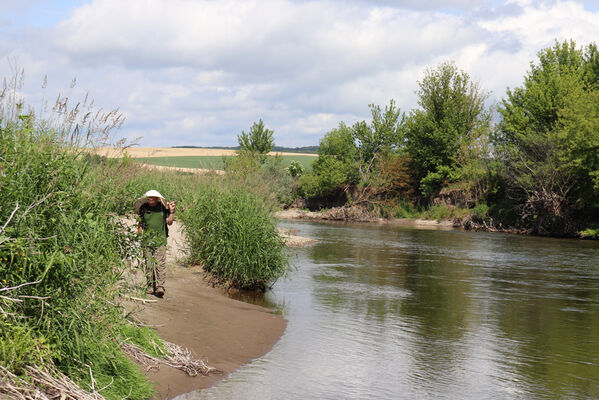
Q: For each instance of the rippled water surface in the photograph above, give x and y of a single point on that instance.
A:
(380, 312)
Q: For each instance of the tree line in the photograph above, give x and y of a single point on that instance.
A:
(532, 161)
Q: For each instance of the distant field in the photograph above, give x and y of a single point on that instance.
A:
(145, 152)
(214, 162)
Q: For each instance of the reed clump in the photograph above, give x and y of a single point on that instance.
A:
(232, 233)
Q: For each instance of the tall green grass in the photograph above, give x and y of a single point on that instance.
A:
(61, 253)
(233, 234)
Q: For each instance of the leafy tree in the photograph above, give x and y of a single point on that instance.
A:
(350, 156)
(258, 140)
(328, 179)
(378, 139)
(339, 144)
(548, 138)
(335, 166)
(451, 122)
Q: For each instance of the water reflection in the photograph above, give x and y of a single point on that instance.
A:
(397, 312)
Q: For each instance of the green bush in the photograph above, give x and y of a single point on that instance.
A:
(295, 169)
(232, 233)
(329, 175)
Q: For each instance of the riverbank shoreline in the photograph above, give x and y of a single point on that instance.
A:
(223, 332)
(294, 213)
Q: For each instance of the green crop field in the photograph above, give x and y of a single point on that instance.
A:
(213, 162)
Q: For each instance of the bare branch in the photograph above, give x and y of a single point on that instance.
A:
(20, 286)
(9, 218)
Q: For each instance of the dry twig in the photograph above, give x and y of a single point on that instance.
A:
(177, 357)
(43, 384)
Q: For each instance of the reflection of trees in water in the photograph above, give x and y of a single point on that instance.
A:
(397, 279)
(531, 304)
(440, 310)
(555, 328)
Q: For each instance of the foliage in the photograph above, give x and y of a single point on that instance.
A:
(432, 183)
(340, 144)
(328, 178)
(548, 138)
(349, 156)
(257, 140)
(396, 178)
(60, 243)
(20, 346)
(231, 232)
(295, 169)
(451, 120)
(377, 140)
(144, 338)
(258, 172)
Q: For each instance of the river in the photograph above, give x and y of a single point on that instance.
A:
(387, 312)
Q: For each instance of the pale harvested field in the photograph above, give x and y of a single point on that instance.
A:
(139, 152)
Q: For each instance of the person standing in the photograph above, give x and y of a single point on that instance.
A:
(155, 216)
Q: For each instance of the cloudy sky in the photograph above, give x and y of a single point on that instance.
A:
(198, 72)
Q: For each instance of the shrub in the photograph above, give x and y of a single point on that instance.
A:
(295, 169)
(232, 233)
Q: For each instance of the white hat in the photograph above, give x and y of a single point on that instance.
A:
(143, 200)
(153, 193)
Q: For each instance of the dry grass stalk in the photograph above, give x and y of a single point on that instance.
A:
(177, 357)
(43, 384)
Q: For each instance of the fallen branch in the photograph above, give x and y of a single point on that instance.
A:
(42, 384)
(9, 218)
(144, 301)
(176, 357)
(20, 286)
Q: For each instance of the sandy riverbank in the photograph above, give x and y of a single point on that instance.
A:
(225, 333)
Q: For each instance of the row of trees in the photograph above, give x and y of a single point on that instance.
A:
(536, 166)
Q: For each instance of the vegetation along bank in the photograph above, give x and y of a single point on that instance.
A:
(66, 257)
(529, 164)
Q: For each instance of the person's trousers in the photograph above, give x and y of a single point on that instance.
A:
(155, 266)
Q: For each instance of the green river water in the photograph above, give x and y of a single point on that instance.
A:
(387, 312)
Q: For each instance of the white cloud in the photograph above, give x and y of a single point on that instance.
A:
(199, 72)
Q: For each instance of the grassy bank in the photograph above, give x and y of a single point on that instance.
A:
(63, 251)
(62, 266)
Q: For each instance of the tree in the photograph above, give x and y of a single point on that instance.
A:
(548, 138)
(258, 140)
(378, 139)
(339, 144)
(351, 156)
(451, 120)
(335, 167)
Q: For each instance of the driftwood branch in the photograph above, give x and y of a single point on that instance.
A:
(176, 357)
